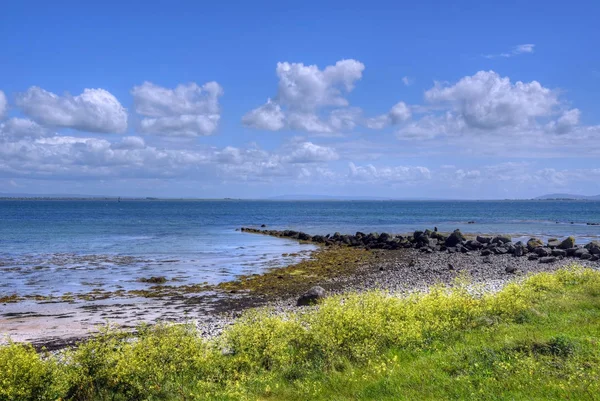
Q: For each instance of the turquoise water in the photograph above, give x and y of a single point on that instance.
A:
(59, 246)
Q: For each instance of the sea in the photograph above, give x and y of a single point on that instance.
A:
(54, 247)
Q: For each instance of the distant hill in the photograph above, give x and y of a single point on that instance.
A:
(568, 196)
(346, 198)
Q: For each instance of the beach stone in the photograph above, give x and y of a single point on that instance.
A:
(534, 243)
(511, 269)
(519, 249)
(500, 250)
(559, 252)
(304, 237)
(593, 247)
(541, 251)
(567, 243)
(533, 256)
(571, 251)
(580, 252)
(312, 296)
(548, 259)
(586, 256)
(455, 238)
(486, 252)
(553, 242)
(501, 239)
(473, 245)
(484, 240)
(595, 258)
(487, 259)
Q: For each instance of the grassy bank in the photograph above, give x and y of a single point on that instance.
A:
(535, 340)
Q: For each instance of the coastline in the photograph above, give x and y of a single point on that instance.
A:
(337, 266)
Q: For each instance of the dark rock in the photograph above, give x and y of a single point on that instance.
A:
(594, 258)
(486, 252)
(484, 240)
(511, 269)
(593, 224)
(501, 239)
(304, 237)
(455, 238)
(473, 245)
(318, 238)
(559, 252)
(263, 225)
(450, 266)
(567, 243)
(533, 256)
(548, 259)
(312, 296)
(534, 243)
(359, 234)
(593, 247)
(462, 249)
(553, 243)
(587, 256)
(487, 259)
(519, 249)
(571, 251)
(580, 252)
(541, 251)
(451, 249)
(500, 250)
(384, 237)
(417, 235)
(470, 222)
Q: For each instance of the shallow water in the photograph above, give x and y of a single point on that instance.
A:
(54, 247)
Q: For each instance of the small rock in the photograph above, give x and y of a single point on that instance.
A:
(511, 269)
(312, 296)
(263, 225)
(487, 259)
(450, 266)
(455, 238)
(501, 239)
(580, 252)
(593, 247)
(559, 252)
(548, 259)
(533, 256)
(484, 240)
(541, 251)
(486, 252)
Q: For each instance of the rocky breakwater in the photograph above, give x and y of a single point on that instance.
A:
(429, 241)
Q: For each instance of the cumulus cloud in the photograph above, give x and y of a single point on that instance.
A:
(3, 104)
(488, 101)
(517, 50)
(399, 113)
(303, 92)
(21, 128)
(308, 152)
(188, 110)
(95, 110)
(267, 117)
(397, 174)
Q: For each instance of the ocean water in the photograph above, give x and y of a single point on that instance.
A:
(54, 247)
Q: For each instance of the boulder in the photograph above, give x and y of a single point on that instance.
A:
(455, 238)
(484, 240)
(541, 251)
(567, 243)
(559, 252)
(486, 252)
(500, 250)
(594, 258)
(580, 252)
(553, 243)
(312, 296)
(501, 239)
(548, 259)
(534, 243)
(519, 249)
(533, 256)
(571, 251)
(304, 237)
(384, 237)
(473, 245)
(593, 247)
(587, 256)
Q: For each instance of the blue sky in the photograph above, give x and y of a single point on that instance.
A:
(256, 99)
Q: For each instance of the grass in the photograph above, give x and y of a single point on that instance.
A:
(534, 340)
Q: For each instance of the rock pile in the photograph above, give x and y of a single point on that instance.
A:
(433, 241)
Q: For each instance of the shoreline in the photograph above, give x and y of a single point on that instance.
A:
(338, 267)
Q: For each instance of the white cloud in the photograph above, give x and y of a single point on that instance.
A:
(566, 122)
(188, 110)
(407, 81)
(308, 152)
(303, 92)
(488, 101)
(95, 110)
(399, 113)
(517, 50)
(3, 104)
(267, 117)
(397, 174)
(21, 128)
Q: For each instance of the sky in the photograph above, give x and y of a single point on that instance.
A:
(427, 99)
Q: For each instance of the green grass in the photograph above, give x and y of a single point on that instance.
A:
(534, 340)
